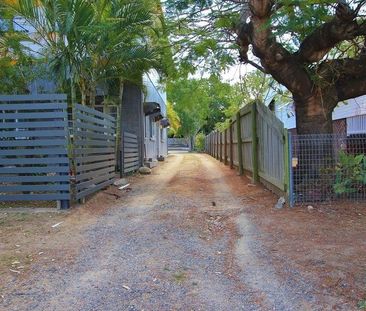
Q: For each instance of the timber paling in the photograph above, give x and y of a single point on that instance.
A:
(254, 142)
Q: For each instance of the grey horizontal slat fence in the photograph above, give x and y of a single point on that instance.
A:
(93, 150)
(130, 153)
(256, 142)
(34, 162)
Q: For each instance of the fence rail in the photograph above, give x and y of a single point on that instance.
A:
(179, 142)
(254, 142)
(34, 162)
(93, 150)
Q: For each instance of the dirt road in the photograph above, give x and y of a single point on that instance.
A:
(182, 239)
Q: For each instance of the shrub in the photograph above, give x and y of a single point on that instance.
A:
(199, 142)
(350, 173)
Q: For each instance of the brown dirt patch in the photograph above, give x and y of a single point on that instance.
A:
(326, 244)
(29, 240)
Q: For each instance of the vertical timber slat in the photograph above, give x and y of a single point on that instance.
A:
(286, 164)
(240, 150)
(221, 156)
(225, 147)
(231, 147)
(254, 143)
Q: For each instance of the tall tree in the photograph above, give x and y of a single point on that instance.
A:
(173, 119)
(89, 42)
(202, 103)
(316, 49)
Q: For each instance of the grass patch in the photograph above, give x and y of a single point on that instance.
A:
(7, 260)
(179, 277)
(362, 304)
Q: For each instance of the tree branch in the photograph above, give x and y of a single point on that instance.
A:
(256, 66)
(342, 27)
(275, 59)
(343, 69)
(348, 89)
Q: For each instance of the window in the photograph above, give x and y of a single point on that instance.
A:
(162, 132)
(147, 127)
(152, 127)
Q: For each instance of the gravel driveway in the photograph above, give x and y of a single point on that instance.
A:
(180, 240)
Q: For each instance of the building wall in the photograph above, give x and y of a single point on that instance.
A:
(356, 125)
(156, 142)
(132, 117)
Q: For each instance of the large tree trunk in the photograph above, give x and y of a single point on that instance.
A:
(314, 152)
(314, 115)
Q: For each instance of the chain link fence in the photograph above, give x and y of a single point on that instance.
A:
(326, 168)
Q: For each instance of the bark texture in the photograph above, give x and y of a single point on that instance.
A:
(337, 80)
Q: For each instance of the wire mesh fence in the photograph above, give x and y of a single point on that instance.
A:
(326, 168)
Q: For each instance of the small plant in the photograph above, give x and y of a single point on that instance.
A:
(350, 173)
(179, 277)
(362, 304)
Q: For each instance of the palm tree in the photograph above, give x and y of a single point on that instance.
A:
(87, 42)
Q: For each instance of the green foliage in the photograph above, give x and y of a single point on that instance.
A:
(201, 103)
(199, 142)
(362, 305)
(299, 19)
(196, 24)
(87, 43)
(173, 119)
(199, 34)
(15, 65)
(350, 173)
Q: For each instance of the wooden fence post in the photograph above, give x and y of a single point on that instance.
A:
(221, 144)
(255, 143)
(217, 146)
(209, 144)
(286, 155)
(225, 147)
(231, 146)
(240, 150)
(214, 145)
